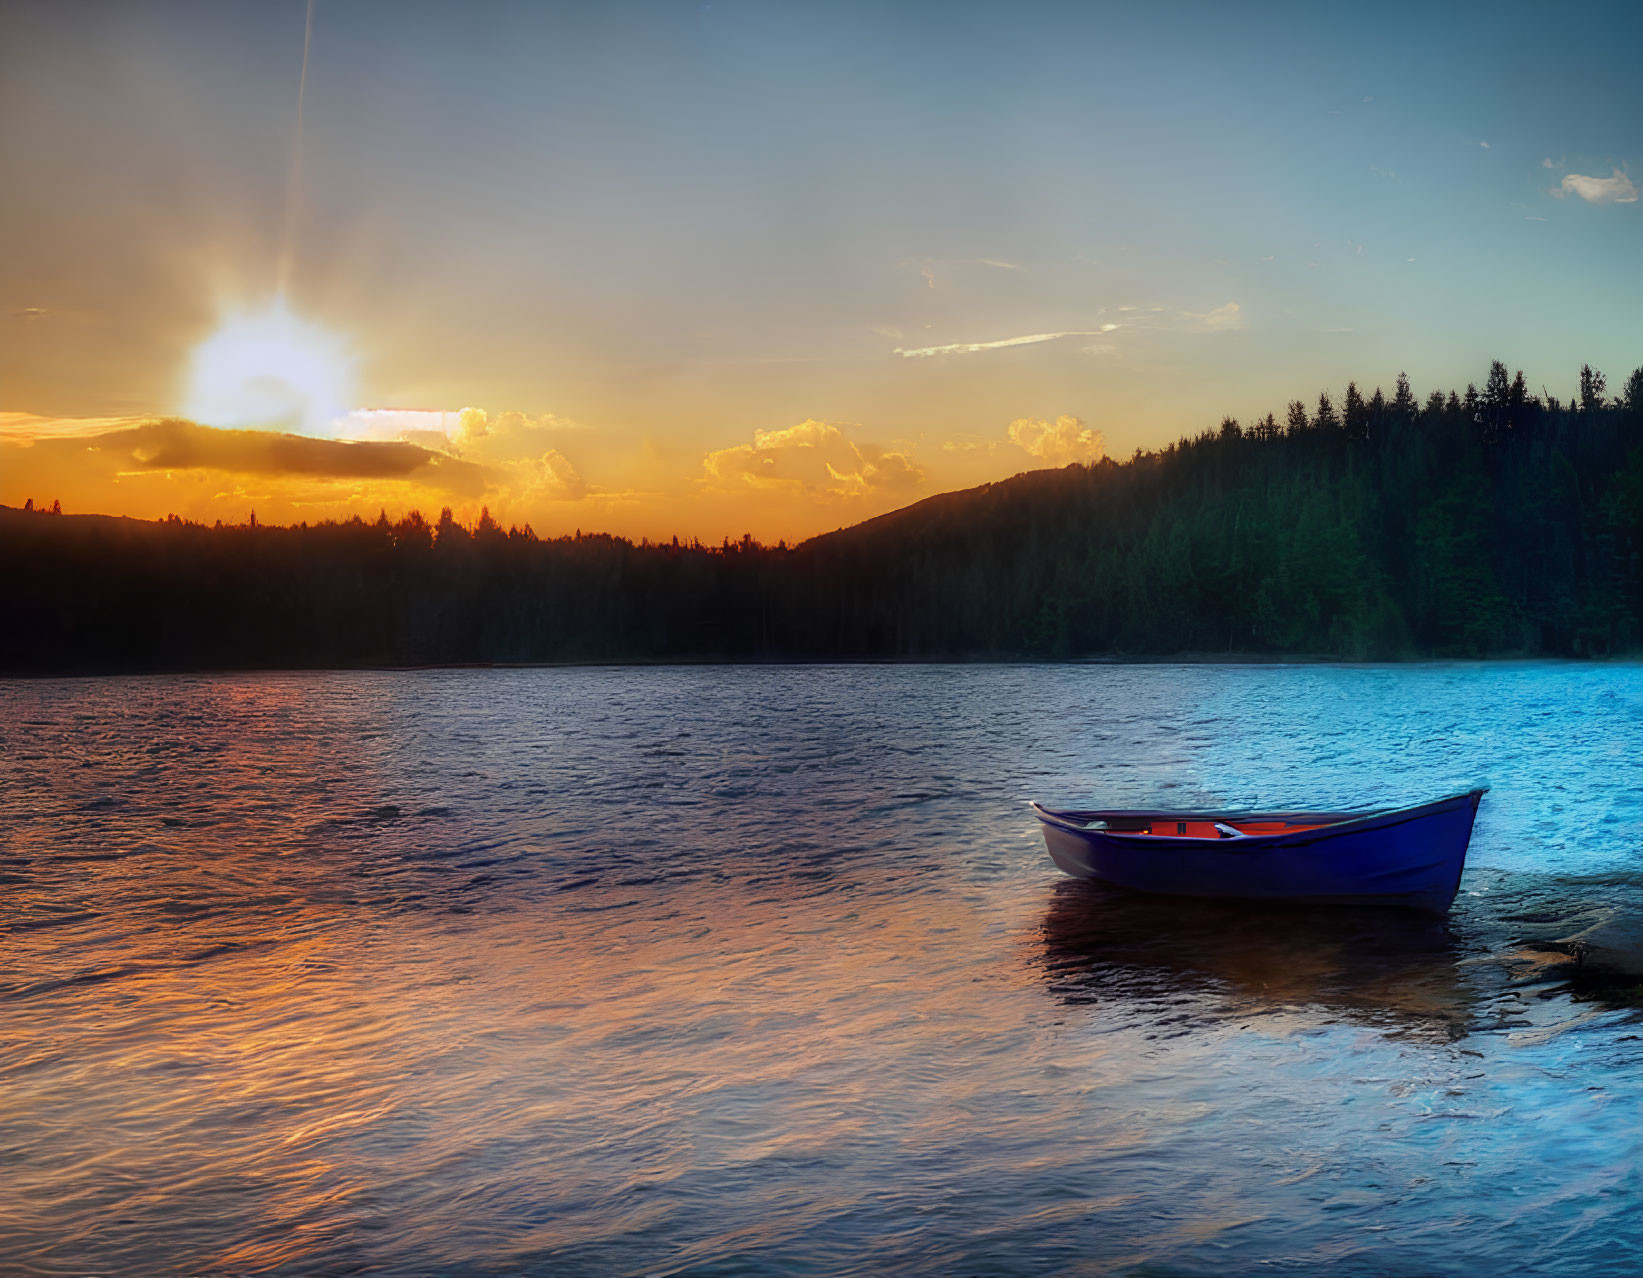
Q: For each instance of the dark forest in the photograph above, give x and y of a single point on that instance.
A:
(1485, 523)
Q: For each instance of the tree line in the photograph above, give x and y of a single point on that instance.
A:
(1498, 521)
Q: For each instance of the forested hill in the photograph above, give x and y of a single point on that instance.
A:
(1486, 523)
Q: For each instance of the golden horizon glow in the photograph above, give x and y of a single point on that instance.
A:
(787, 483)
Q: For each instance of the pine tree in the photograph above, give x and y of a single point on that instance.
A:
(1325, 421)
(1497, 390)
(1356, 421)
(1403, 400)
(1592, 386)
(1631, 395)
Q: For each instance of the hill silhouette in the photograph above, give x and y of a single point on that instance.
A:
(1491, 522)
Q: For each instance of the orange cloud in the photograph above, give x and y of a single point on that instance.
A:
(152, 468)
(174, 444)
(1058, 443)
(813, 457)
(522, 448)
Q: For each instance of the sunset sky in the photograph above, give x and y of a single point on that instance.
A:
(719, 268)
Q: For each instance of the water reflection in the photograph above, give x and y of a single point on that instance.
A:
(1103, 944)
(636, 971)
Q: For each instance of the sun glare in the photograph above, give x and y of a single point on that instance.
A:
(270, 369)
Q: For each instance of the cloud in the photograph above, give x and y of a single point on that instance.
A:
(549, 477)
(928, 266)
(522, 448)
(26, 428)
(813, 457)
(411, 425)
(154, 466)
(176, 444)
(1057, 443)
(519, 450)
(508, 432)
(970, 444)
(1617, 189)
(1223, 319)
(1031, 339)
(30, 313)
(150, 466)
(887, 471)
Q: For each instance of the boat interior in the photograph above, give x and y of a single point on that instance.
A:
(1206, 827)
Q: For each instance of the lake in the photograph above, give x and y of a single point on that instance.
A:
(733, 970)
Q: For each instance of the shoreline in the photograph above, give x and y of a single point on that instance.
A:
(1177, 659)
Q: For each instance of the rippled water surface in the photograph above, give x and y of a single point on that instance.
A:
(734, 970)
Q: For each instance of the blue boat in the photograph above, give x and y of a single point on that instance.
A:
(1408, 857)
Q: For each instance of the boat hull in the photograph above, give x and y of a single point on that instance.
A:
(1410, 857)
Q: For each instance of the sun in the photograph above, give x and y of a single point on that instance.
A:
(271, 370)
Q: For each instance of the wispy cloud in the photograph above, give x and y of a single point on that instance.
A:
(26, 428)
(969, 444)
(928, 267)
(1030, 339)
(1617, 189)
(1223, 319)
(1226, 318)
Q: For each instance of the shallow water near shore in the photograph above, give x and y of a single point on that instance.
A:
(738, 970)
